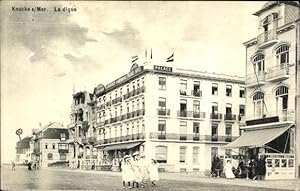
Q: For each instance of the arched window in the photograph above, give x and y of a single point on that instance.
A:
(50, 156)
(259, 63)
(258, 104)
(281, 91)
(282, 54)
(161, 154)
(281, 94)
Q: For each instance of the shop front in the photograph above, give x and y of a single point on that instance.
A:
(274, 142)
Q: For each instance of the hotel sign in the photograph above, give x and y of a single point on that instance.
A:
(163, 68)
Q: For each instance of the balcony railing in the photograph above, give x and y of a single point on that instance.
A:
(216, 116)
(229, 117)
(255, 79)
(134, 93)
(283, 115)
(118, 139)
(279, 72)
(266, 37)
(190, 137)
(182, 92)
(182, 113)
(163, 112)
(196, 93)
(191, 114)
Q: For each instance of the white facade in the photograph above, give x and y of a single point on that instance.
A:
(139, 108)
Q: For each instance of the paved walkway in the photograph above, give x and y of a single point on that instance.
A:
(274, 184)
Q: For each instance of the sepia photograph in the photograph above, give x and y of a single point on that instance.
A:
(150, 95)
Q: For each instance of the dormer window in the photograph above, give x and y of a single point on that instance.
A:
(62, 136)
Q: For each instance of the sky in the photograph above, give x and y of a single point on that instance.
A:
(45, 55)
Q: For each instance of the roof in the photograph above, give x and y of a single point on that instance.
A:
(54, 133)
(24, 143)
(271, 4)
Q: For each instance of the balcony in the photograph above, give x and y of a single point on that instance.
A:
(91, 140)
(181, 113)
(214, 138)
(228, 117)
(255, 79)
(198, 114)
(163, 112)
(108, 104)
(228, 138)
(283, 115)
(63, 150)
(196, 93)
(278, 73)
(196, 137)
(267, 38)
(216, 116)
(183, 137)
(84, 141)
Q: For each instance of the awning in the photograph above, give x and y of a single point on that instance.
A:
(122, 146)
(258, 137)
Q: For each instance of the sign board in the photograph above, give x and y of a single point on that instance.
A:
(162, 68)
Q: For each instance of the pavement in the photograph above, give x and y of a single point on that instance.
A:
(192, 177)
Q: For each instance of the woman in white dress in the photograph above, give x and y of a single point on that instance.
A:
(228, 170)
(128, 175)
(153, 172)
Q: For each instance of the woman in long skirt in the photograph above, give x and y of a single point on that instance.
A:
(228, 170)
(128, 175)
(153, 172)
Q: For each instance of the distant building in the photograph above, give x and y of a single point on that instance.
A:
(179, 117)
(273, 90)
(50, 145)
(23, 154)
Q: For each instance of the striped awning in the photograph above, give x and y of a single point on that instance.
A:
(258, 137)
(122, 146)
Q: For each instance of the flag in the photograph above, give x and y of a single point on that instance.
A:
(151, 54)
(171, 58)
(146, 53)
(134, 58)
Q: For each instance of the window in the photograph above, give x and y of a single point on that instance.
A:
(162, 128)
(196, 90)
(63, 156)
(127, 129)
(196, 109)
(132, 105)
(196, 127)
(182, 153)
(121, 131)
(242, 92)
(258, 104)
(46, 146)
(53, 146)
(228, 90)
(214, 132)
(162, 83)
(183, 106)
(183, 87)
(161, 154)
(62, 136)
(214, 108)
(281, 94)
(162, 106)
(228, 132)
(50, 156)
(259, 64)
(228, 115)
(63, 146)
(282, 55)
(241, 111)
(214, 89)
(183, 130)
(195, 155)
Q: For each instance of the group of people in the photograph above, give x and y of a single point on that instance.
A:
(137, 171)
(250, 169)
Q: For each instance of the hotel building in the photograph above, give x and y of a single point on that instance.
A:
(272, 90)
(179, 117)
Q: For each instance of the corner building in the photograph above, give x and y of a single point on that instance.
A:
(178, 117)
(272, 90)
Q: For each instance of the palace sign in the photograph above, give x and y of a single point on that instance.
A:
(162, 68)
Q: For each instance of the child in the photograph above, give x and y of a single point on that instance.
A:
(153, 172)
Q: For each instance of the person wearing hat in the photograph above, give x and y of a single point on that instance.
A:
(127, 172)
(136, 168)
(153, 172)
(144, 165)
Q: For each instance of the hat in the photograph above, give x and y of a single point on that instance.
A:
(126, 156)
(135, 153)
